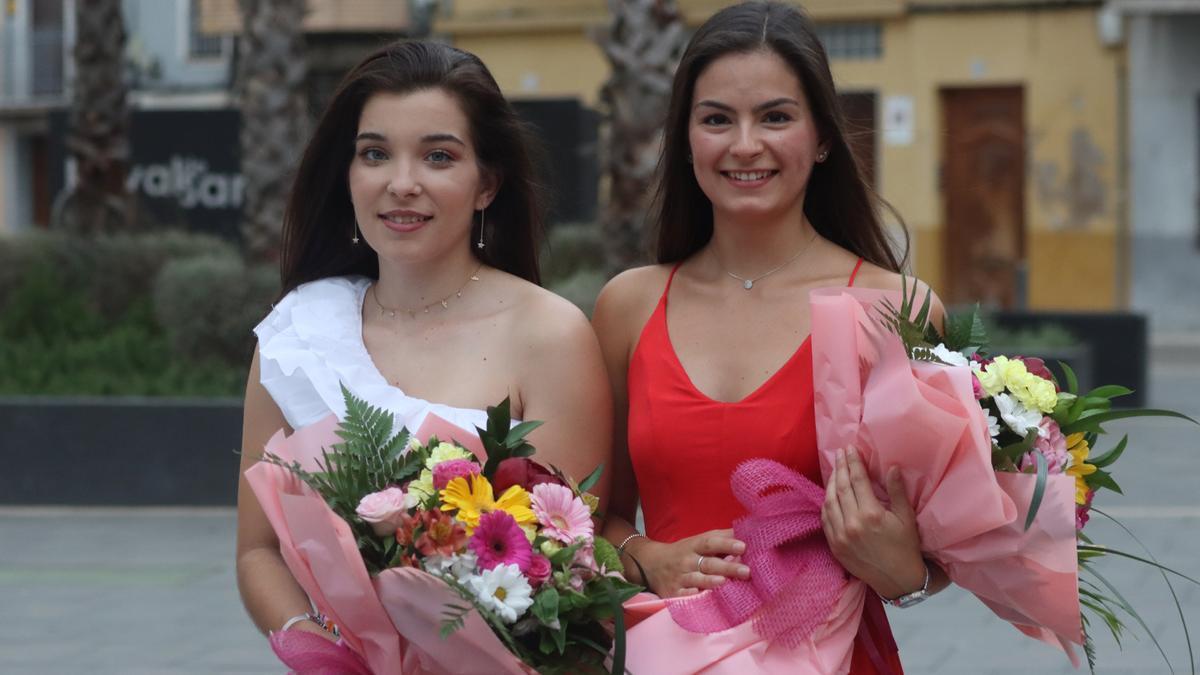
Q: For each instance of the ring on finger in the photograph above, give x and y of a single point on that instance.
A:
(700, 564)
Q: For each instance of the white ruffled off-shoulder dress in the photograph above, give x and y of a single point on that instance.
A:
(311, 344)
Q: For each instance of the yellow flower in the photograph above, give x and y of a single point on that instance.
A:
(1077, 447)
(992, 376)
(1032, 391)
(423, 485)
(472, 496)
(446, 451)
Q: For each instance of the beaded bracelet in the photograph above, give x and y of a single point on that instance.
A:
(319, 619)
(626, 540)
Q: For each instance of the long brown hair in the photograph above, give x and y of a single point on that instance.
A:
(319, 220)
(839, 202)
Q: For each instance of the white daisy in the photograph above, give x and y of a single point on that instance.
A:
(1015, 415)
(504, 590)
(949, 356)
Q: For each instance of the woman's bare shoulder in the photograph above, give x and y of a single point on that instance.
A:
(628, 299)
(873, 276)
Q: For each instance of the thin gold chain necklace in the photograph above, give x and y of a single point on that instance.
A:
(412, 313)
(748, 283)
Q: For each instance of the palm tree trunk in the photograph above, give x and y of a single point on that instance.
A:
(643, 44)
(274, 102)
(98, 138)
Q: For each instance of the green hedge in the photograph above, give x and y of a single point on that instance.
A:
(165, 314)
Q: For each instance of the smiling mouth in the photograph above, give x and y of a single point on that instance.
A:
(406, 220)
(748, 176)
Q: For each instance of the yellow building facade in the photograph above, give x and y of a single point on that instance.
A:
(997, 127)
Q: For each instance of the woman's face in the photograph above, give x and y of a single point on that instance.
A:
(414, 180)
(752, 136)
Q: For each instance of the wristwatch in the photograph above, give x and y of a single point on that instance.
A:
(909, 599)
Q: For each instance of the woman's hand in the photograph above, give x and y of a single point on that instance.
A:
(880, 546)
(691, 565)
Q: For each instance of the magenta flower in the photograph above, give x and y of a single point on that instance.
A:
(499, 540)
(1082, 511)
(446, 471)
(1052, 445)
(563, 516)
(539, 570)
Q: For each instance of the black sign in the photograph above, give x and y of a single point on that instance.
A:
(185, 167)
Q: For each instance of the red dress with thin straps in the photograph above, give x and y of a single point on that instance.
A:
(684, 446)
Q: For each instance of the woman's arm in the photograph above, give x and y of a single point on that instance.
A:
(672, 568)
(269, 592)
(563, 384)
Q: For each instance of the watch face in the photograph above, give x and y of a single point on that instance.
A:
(911, 599)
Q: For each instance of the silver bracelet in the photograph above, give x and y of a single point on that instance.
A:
(307, 616)
(626, 540)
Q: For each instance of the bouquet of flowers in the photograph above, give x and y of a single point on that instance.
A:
(994, 458)
(1038, 427)
(431, 557)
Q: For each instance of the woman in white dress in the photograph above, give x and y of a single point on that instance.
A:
(409, 270)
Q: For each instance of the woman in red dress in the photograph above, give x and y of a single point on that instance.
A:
(760, 202)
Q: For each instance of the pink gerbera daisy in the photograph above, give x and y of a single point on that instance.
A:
(563, 515)
(499, 540)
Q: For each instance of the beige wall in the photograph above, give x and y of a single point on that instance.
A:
(1071, 106)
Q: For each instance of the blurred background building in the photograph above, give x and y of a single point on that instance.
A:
(1045, 154)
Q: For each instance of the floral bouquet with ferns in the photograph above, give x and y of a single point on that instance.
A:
(455, 553)
(1046, 430)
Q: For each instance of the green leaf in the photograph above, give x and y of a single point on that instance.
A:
(1110, 391)
(1102, 479)
(1039, 489)
(1124, 604)
(1072, 381)
(1111, 456)
(1093, 422)
(545, 606)
(618, 659)
(1171, 587)
(587, 483)
(1013, 451)
(520, 431)
(1112, 551)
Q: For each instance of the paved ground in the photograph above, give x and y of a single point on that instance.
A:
(152, 590)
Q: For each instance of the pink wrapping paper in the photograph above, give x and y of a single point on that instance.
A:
(391, 621)
(924, 419)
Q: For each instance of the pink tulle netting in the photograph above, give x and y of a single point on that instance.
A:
(793, 575)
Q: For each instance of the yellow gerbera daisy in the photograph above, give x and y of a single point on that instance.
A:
(472, 497)
(1077, 447)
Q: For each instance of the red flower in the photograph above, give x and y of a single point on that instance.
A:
(1038, 367)
(524, 472)
(408, 524)
(442, 535)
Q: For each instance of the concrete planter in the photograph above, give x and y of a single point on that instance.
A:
(119, 451)
(1115, 343)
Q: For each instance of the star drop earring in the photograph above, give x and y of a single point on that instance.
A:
(354, 233)
(482, 216)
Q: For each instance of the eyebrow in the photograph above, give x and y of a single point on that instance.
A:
(427, 138)
(773, 103)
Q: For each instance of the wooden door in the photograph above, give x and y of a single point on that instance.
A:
(983, 190)
(859, 110)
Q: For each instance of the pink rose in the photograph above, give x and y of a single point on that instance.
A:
(383, 510)
(539, 570)
(453, 468)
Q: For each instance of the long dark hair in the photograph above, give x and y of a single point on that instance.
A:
(319, 220)
(839, 202)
